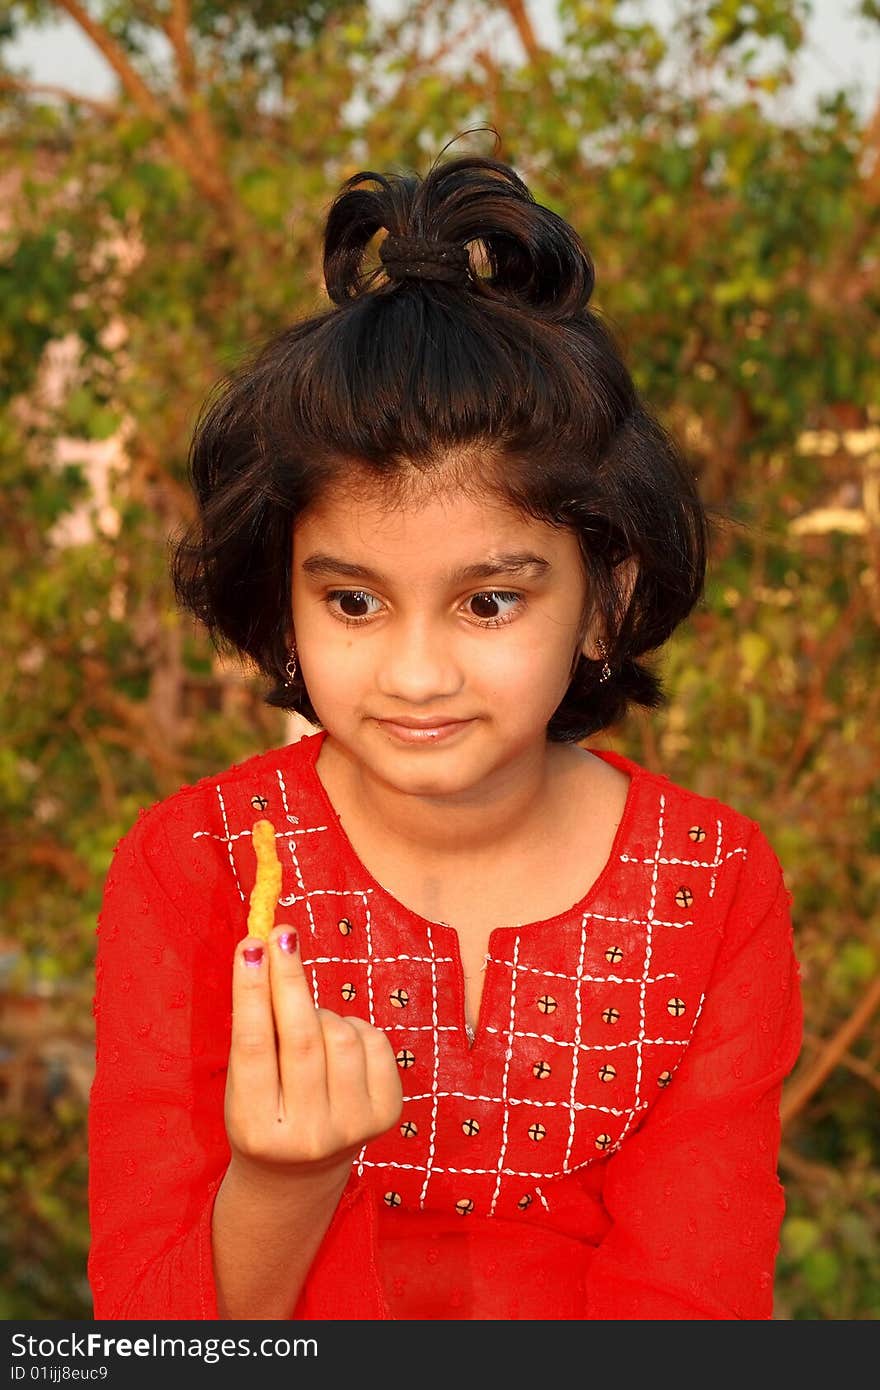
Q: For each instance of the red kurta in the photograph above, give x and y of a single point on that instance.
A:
(604, 1149)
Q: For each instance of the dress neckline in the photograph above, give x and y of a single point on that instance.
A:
(637, 775)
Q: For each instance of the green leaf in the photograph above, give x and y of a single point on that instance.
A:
(799, 1237)
(754, 649)
(821, 1270)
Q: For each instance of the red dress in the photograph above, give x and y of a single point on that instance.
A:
(606, 1146)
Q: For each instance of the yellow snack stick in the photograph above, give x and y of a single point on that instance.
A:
(267, 885)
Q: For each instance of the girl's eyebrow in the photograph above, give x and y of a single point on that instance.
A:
(513, 562)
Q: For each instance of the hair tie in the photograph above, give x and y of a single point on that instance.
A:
(417, 258)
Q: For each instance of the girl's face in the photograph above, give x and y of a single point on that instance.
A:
(446, 609)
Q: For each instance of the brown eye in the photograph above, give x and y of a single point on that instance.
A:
(486, 606)
(483, 604)
(351, 603)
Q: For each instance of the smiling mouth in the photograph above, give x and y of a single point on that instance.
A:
(411, 731)
(423, 723)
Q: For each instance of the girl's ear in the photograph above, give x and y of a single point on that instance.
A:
(625, 575)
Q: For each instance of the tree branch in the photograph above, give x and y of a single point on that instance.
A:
(49, 854)
(130, 78)
(871, 148)
(134, 716)
(211, 184)
(817, 709)
(796, 1096)
(828, 289)
(493, 79)
(523, 25)
(176, 29)
(103, 774)
(203, 128)
(803, 1170)
(21, 84)
(861, 1069)
(431, 61)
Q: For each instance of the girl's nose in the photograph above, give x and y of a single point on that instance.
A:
(417, 665)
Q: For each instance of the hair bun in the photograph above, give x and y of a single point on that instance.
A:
(534, 257)
(421, 259)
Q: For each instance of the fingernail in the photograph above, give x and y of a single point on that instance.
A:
(252, 955)
(287, 941)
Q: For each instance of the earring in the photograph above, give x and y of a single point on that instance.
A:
(290, 668)
(605, 673)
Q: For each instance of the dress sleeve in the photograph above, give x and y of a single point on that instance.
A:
(157, 1141)
(693, 1195)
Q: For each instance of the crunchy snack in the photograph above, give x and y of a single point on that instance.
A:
(267, 885)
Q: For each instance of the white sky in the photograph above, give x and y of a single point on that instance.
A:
(842, 51)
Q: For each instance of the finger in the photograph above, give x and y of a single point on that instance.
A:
(302, 1064)
(382, 1072)
(253, 1060)
(346, 1067)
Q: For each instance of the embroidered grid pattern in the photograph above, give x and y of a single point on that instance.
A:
(516, 1031)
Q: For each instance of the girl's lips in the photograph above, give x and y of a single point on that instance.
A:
(435, 734)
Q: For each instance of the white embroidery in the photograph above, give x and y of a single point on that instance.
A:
(432, 1137)
(442, 1144)
(504, 1099)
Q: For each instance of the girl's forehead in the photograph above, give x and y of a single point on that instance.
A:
(444, 540)
(447, 516)
(434, 539)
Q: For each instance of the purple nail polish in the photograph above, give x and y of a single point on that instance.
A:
(287, 942)
(253, 955)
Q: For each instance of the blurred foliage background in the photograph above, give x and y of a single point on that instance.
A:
(147, 240)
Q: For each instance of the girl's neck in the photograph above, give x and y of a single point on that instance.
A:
(505, 813)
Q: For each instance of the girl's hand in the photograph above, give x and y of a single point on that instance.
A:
(329, 1083)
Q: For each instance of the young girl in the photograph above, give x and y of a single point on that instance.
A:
(515, 1044)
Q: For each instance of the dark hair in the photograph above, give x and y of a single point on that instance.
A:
(509, 379)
